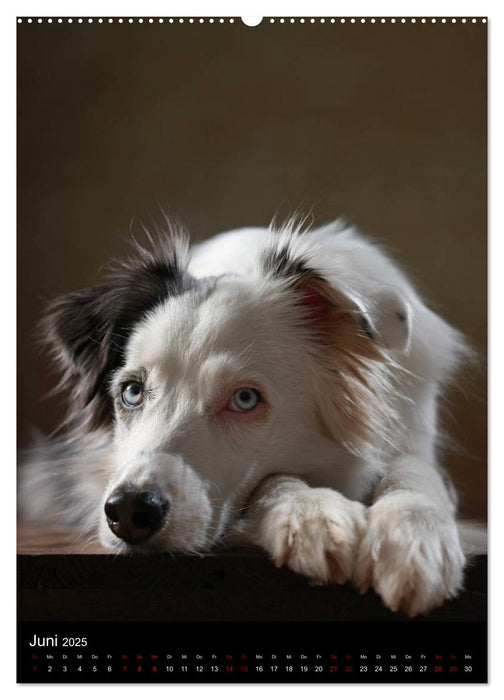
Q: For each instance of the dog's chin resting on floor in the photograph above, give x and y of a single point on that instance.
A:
(268, 387)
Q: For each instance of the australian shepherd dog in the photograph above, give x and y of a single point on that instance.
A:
(275, 387)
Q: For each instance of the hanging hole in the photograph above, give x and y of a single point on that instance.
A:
(251, 21)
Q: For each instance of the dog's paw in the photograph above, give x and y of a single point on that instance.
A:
(315, 533)
(410, 555)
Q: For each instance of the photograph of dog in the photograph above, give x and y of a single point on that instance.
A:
(302, 394)
(269, 386)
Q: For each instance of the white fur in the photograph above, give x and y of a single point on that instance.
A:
(314, 531)
(218, 473)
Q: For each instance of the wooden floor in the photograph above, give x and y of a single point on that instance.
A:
(34, 540)
(61, 577)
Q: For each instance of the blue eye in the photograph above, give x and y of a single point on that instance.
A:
(132, 394)
(245, 399)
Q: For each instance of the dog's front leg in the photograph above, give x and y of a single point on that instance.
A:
(314, 531)
(411, 552)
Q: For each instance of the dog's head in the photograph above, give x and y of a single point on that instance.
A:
(207, 386)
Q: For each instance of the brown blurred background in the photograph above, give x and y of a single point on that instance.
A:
(226, 125)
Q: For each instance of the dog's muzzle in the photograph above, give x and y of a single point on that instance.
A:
(135, 516)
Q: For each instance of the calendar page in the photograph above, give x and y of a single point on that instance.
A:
(252, 343)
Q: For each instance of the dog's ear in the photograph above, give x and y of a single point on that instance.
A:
(88, 330)
(384, 319)
(350, 357)
(389, 315)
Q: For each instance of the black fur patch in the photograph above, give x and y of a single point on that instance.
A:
(88, 329)
(366, 327)
(280, 263)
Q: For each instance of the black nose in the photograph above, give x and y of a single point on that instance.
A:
(135, 516)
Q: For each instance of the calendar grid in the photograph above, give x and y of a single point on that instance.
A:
(252, 652)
